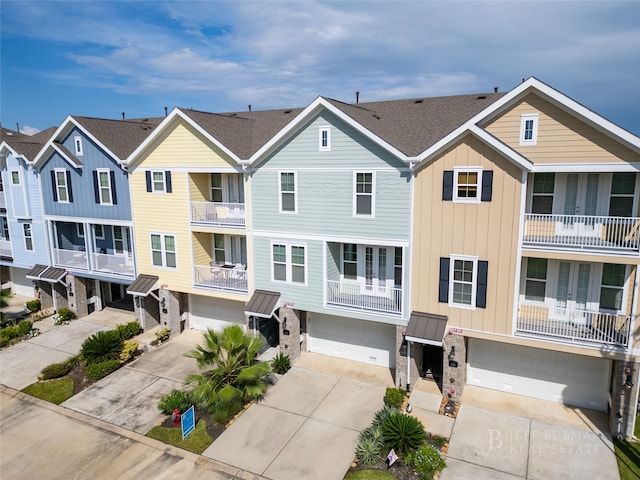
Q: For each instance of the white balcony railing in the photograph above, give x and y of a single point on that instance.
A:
(70, 258)
(358, 296)
(596, 233)
(5, 248)
(226, 277)
(580, 326)
(113, 264)
(218, 213)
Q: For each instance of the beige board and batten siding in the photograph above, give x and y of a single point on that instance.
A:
(181, 148)
(488, 230)
(562, 138)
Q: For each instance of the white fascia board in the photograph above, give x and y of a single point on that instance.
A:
(135, 156)
(316, 106)
(66, 157)
(502, 148)
(118, 160)
(633, 167)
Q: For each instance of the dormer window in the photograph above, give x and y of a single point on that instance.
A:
(529, 129)
(324, 139)
(77, 143)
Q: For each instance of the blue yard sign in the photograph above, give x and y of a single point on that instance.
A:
(188, 422)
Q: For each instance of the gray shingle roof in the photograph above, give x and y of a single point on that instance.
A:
(121, 137)
(27, 145)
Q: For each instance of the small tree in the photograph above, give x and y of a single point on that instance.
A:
(231, 373)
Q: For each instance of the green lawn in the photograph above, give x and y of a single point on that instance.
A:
(196, 442)
(369, 475)
(54, 391)
(628, 457)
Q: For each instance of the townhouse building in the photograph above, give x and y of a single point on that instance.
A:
(87, 212)
(23, 235)
(525, 246)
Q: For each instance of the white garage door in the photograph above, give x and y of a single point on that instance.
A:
(359, 340)
(21, 285)
(215, 313)
(560, 377)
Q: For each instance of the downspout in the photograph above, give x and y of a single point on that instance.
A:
(408, 366)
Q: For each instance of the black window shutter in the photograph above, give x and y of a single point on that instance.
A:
(69, 186)
(167, 179)
(447, 185)
(487, 185)
(443, 290)
(54, 186)
(96, 187)
(481, 291)
(148, 175)
(114, 197)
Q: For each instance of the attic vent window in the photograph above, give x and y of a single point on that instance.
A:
(77, 142)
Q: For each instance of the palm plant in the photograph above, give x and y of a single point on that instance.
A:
(5, 295)
(231, 373)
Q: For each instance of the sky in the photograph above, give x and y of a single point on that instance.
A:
(102, 58)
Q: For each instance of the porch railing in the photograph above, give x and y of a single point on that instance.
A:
(218, 213)
(358, 296)
(5, 248)
(600, 233)
(233, 278)
(113, 264)
(70, 258)
(582, 326)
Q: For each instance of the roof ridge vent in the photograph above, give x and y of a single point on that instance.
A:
(420, 100)
(482, 97)
(287, 111)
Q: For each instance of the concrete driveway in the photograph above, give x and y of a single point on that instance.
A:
(306, 427)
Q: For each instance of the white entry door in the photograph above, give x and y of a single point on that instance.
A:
(580, 206)
(377, 271)
(573, 292)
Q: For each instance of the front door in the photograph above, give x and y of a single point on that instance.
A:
(376, 270)
(573, 292)
(580, 206)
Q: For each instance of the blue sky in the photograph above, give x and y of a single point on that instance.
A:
(103, 58)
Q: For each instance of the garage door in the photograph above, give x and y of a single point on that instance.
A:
(215, 313)
(560, 377)
(21, 285)
(359, 340)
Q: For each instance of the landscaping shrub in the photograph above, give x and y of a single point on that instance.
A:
(24, 327)
(174, 399)
(65, 314)
(438, 441)
(33, 305)
(55, 370)
(281, 363)
(96, 371)
(102, 346)
(381, 415)
(10, 332)
(368, 450)
(425, 461)
(129, 350)
(128, 330)
(163, 334)
(393, 397)
(403, 433)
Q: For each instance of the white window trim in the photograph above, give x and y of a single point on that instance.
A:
(77, 144)
(80, 233)
(30, 236)
(59, 186)
(11, 172)
(474, 282)
(164, 182)
(109, 186)
(163, 250)
(625, 298)
(523, 121)
(98, 237)
(455, 197)
(289, 263)
(355, 194)
(327, 147)
(547, 283)
(295, 193)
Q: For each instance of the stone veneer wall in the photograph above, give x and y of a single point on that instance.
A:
(77, 294)
(170, 313)
(59, 294)
(415, 352)
(289, 344)
(454, 378)
(147, 312)
(624, 401)
(46, 294)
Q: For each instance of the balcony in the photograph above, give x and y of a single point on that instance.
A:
(3, 203)
(5, 248)
(113, 264)
(588, 327)
(357, 296)
(218, 213)
(70, 258)
(598, 234)
(230, 278)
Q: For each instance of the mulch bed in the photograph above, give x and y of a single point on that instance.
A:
(213, 429)
(398, 470)
(80, 379)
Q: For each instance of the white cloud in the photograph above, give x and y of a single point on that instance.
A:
(27, 130)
